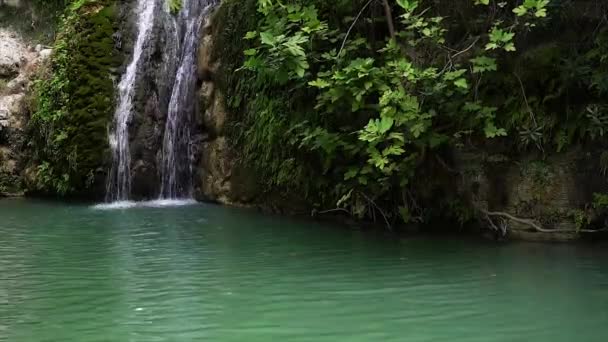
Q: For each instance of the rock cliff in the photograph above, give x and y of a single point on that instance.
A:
(18, 65)
(221, 177)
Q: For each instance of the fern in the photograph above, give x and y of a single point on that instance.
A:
(175, 6)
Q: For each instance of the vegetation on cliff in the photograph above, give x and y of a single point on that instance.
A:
(34, 19)
(74, 100)
(362, 105)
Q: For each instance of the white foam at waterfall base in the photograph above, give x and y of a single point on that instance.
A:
(160, 203)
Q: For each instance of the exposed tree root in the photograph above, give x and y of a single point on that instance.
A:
(530, 223)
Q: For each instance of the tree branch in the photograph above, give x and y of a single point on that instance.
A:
(390, 227)
(389, 19)
(353, 25)
(331, 210)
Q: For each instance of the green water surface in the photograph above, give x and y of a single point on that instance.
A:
(72, 273)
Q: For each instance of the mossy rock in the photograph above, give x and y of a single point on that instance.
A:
(76, 103)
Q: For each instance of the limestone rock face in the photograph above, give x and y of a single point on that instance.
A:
(18, 64)
(220, 177)
(12, 3)
(146, 143)
(215, 115)
(12, 54)
(548, 190)
(12, 112)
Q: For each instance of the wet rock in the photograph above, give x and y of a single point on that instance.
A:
(18, 85)
(12, 53)
(18, 65)
(46, 53)
(548, 190)
(12, 111)
(221, 178)
(12, 3)
(144, 178)
(215, 115)
(146, 141)
(207, 67)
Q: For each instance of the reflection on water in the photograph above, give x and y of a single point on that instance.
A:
(201, 272)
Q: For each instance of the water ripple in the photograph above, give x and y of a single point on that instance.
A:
(191, 273)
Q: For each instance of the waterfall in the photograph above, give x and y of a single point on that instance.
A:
(176, 165)
(119, 180)
(176, 78)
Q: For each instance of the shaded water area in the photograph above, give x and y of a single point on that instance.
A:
(201, 272)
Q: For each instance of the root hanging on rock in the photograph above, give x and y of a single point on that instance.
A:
(529, 222)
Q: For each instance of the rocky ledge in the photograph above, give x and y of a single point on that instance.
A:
(18, 65)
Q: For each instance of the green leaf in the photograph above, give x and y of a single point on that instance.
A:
(319, 83)
(408, 5)
(520, 10)
(418, 129)
(491, 131)
(405, 214)
(452, 75)
(267, 38)
(482, 64)
(251, 35)
(510, 47)
(397, 136)
(461, 83)
(352, 173)
(385, 124)
(393, 150)
(300, 71)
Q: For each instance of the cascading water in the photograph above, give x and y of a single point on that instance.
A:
(119, 181)
(176, 90)
(176, 167)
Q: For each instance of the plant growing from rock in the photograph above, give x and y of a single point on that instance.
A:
(384, 106)
(175, 6)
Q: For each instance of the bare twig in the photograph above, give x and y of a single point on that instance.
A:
(352, 26)
(465, 50)
(495, 228)
(390, 227)
(445, 165)
(389, 19)
(450, 58)
(333, 210)
(523, 92)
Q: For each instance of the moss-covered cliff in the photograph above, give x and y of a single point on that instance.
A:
(73, 104)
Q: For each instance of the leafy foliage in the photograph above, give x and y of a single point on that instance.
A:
(381, 106)
(391, 106)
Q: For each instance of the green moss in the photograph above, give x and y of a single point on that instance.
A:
(232, 21)
(75, 102)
